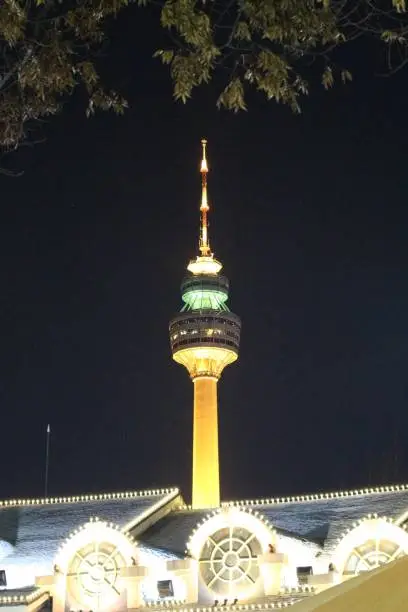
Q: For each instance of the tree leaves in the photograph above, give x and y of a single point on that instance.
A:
(346, 76)
(232, 98)
(399, 5)
(327, 78)
(12, 22)
(393, 37)
(166, 55)
(257, 42)
(190, 70)
(48, 51)
(193, 25)
(269, 45)
(242, 31)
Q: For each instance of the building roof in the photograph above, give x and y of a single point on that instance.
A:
(328, 517)
(173, 531)
(318, 518)
(32, 531)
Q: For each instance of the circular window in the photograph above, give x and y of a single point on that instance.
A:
(371, 543)
(91, 561)
(228, 560)
(372, 554)
(93, 574)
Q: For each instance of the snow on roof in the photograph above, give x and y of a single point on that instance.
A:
(35, 531)
(31, 531)
(319, 517)
(337, 514)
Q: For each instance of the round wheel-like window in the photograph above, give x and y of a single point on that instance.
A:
(373, 542)
(93, 574)
(228, 560)
(372, 554)
(91, 561)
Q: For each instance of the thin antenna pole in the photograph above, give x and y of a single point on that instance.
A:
(204, 241)
(47, 460)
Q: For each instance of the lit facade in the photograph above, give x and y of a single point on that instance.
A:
(205, 339)
(139, 550)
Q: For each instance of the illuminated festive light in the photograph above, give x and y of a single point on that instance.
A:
(81, 498)
(171, 494)
(29, 598)
(315, 496)
(221, 608)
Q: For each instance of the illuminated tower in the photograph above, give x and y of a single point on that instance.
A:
(205, 338)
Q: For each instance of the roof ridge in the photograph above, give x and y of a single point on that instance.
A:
(69, 499)
(149, 512)
(318, 496)
(307, 497)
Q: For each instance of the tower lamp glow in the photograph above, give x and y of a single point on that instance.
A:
(205, 338)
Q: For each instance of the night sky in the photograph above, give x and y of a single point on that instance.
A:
(309, 217)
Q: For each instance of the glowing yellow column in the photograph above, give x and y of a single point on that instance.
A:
(206, 481)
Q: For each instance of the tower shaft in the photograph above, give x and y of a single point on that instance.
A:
(206, 471)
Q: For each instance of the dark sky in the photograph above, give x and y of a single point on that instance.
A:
(310, 218)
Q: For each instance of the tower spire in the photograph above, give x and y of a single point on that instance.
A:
(204, 208)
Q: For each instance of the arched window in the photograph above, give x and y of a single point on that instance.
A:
(227, 546)
(228, 560)
(371, 554)
(90, 564)
(93, 574)
(373, 542)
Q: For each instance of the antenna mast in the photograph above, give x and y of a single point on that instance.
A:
(204, 241)
(47, 459)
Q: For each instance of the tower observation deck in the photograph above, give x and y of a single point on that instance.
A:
(204, 338)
